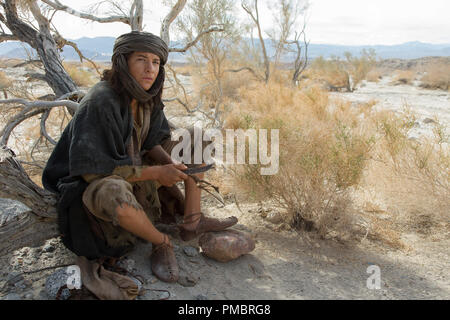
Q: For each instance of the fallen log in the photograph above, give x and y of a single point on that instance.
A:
(27, 211)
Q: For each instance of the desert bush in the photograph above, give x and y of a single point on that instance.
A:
(80, 76)
(5, 83)
(374, 75)
(359, 67)
(322, 154)
(411, 177)
(185, 69)
(338, 73)
(205, 82)
(404, 77)
(330, 152)
(332, 72)
(437, 76)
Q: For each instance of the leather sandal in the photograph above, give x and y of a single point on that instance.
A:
(164, 263)
(205, 224)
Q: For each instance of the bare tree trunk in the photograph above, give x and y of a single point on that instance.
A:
(165, 26)
(136, 15)
(27, 228)
(299, 64)
(255, 18)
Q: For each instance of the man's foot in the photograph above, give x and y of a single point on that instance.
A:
(164, 263)
(196, 224)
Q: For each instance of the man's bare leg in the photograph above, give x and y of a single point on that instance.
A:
(137, 222)
(164, 263)
(192, 202)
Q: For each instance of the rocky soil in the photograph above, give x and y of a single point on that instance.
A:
(284, 265)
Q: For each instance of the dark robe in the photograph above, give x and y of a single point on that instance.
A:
(94, 142)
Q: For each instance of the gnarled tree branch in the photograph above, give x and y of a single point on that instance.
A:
(197, 38)
(31, 109)
(59, 6)
(165, 26)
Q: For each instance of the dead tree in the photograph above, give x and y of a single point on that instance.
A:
(27, 228)
(252, 11)
(299, 63)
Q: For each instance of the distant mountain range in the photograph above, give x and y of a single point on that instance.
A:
(100, 49)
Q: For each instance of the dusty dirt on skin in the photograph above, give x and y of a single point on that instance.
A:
(286, 264)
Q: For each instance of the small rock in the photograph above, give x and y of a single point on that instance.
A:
(190, 251)
(54, 282)
(21, 285)
(28, 296)
(274, 217)
(12, 296)
(24, 252)
(48, 248)
(127, 264)
(201, 297)
(262, 212)
(14, 278)
(43, 295)
(187, 280)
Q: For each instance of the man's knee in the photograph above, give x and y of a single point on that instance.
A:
(103, 196)
(127, 211)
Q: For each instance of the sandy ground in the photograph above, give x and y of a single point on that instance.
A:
(285, 264)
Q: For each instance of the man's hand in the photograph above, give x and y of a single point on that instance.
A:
(169, 174)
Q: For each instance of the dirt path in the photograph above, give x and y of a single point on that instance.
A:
(426, 104)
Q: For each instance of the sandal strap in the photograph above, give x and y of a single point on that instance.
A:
(166, 242)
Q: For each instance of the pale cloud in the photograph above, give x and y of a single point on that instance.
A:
(379, 22)
(351, 22)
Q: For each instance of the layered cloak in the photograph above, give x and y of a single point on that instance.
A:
(94, 142)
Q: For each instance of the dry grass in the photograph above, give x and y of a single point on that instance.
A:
(410, 179)
(9, 63)
(331, 72)
(437, 77)
(322, 154)
(331, 153)
(404, 77)
(374, 75)
(185, 70)
(5, 81)
(82, 76)
(338, 74)
(214, 87)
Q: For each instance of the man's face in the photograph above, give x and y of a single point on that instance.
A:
(144, 67)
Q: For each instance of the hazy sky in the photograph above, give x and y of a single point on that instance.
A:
(350, 22)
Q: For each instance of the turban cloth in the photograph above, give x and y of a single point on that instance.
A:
(141, 42)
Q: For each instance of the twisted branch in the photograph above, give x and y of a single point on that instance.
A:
(59, 6)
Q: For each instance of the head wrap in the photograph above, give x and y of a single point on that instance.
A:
(142, 42)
